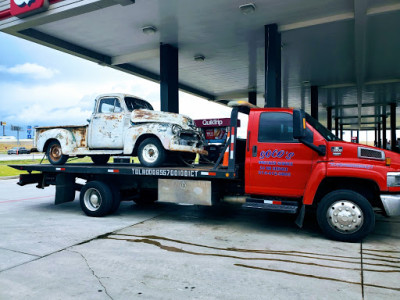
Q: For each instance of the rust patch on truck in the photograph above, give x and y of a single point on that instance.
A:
(144, 114)
(82, 133)
(111, 117)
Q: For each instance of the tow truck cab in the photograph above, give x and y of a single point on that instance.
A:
(290, 154)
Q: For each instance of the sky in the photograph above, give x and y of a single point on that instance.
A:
(42, 86)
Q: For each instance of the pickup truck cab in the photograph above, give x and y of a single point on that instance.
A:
(122, 125)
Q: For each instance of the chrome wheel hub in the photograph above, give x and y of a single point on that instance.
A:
(150, 153)
(345, 216)
(92, 199)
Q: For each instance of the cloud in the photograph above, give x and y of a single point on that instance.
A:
(64, 102)
(32, 70)
(38, 115)
(69, 100)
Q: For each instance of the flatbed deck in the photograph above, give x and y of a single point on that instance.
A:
(206, 171)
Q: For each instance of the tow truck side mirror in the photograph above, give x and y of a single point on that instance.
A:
(299, 124)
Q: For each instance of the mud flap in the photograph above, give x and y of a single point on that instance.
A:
(300, 216)
(197, 192)
(65, 188)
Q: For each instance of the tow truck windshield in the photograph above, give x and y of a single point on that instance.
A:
(326, 133)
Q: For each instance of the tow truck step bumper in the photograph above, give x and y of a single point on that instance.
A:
(391, 204)
(289, 207)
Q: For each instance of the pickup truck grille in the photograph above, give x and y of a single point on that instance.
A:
(370, 153)
(190, 138)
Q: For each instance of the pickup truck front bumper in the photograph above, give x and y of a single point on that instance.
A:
(391, 204)
(183, 148)
(188, 141)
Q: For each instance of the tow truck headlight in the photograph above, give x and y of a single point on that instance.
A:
(393, 179)
(176, 129)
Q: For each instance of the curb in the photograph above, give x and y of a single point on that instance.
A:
(9, 177)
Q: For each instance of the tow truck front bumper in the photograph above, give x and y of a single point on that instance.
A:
(391, 204)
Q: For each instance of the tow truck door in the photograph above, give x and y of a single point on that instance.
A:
(276, 164)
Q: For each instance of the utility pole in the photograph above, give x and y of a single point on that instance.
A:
(4, 127)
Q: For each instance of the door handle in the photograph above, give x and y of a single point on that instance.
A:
(248, 140)
(254, 151)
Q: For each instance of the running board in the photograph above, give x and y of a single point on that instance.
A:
(289, 207)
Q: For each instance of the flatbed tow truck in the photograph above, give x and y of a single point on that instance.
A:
(289, 162)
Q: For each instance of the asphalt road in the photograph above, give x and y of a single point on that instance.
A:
(183, 252)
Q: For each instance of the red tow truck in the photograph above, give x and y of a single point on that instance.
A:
(288, 163)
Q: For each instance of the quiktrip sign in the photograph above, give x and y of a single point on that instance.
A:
(23, 8)
(223, 122)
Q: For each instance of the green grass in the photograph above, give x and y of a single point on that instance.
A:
(5, 170)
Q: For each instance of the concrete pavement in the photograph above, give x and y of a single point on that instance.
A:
(183, 252)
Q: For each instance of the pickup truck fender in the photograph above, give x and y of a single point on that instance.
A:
(161, 130)
(63, 136)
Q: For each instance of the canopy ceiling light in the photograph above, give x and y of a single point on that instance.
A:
(199, 57)
(149, 30)
(248, 8)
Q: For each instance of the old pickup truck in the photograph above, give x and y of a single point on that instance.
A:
(123, 125)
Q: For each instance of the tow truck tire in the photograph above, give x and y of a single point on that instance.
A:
(151, 153)
(96, 199)
(54, 154)
(100, 159)
(346, 216)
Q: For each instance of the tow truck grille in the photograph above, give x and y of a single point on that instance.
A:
(370, 153)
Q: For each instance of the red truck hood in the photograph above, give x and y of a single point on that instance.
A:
(361, 154)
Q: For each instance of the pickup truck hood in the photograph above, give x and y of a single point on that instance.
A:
(151, 116)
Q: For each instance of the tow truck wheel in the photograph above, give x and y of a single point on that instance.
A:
(96, 199)
(151, 153)
(100, 159)
(54, 154)
(345, 215)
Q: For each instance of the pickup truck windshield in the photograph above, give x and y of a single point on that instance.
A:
(133, 103)
(329, 136)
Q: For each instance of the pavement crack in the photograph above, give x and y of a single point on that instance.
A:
(94, 274)
(20, 252)
(38, 257)
(362, 270)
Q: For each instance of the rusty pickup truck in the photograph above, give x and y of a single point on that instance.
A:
(123, 125)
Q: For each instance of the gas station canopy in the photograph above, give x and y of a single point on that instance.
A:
(345, 51)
